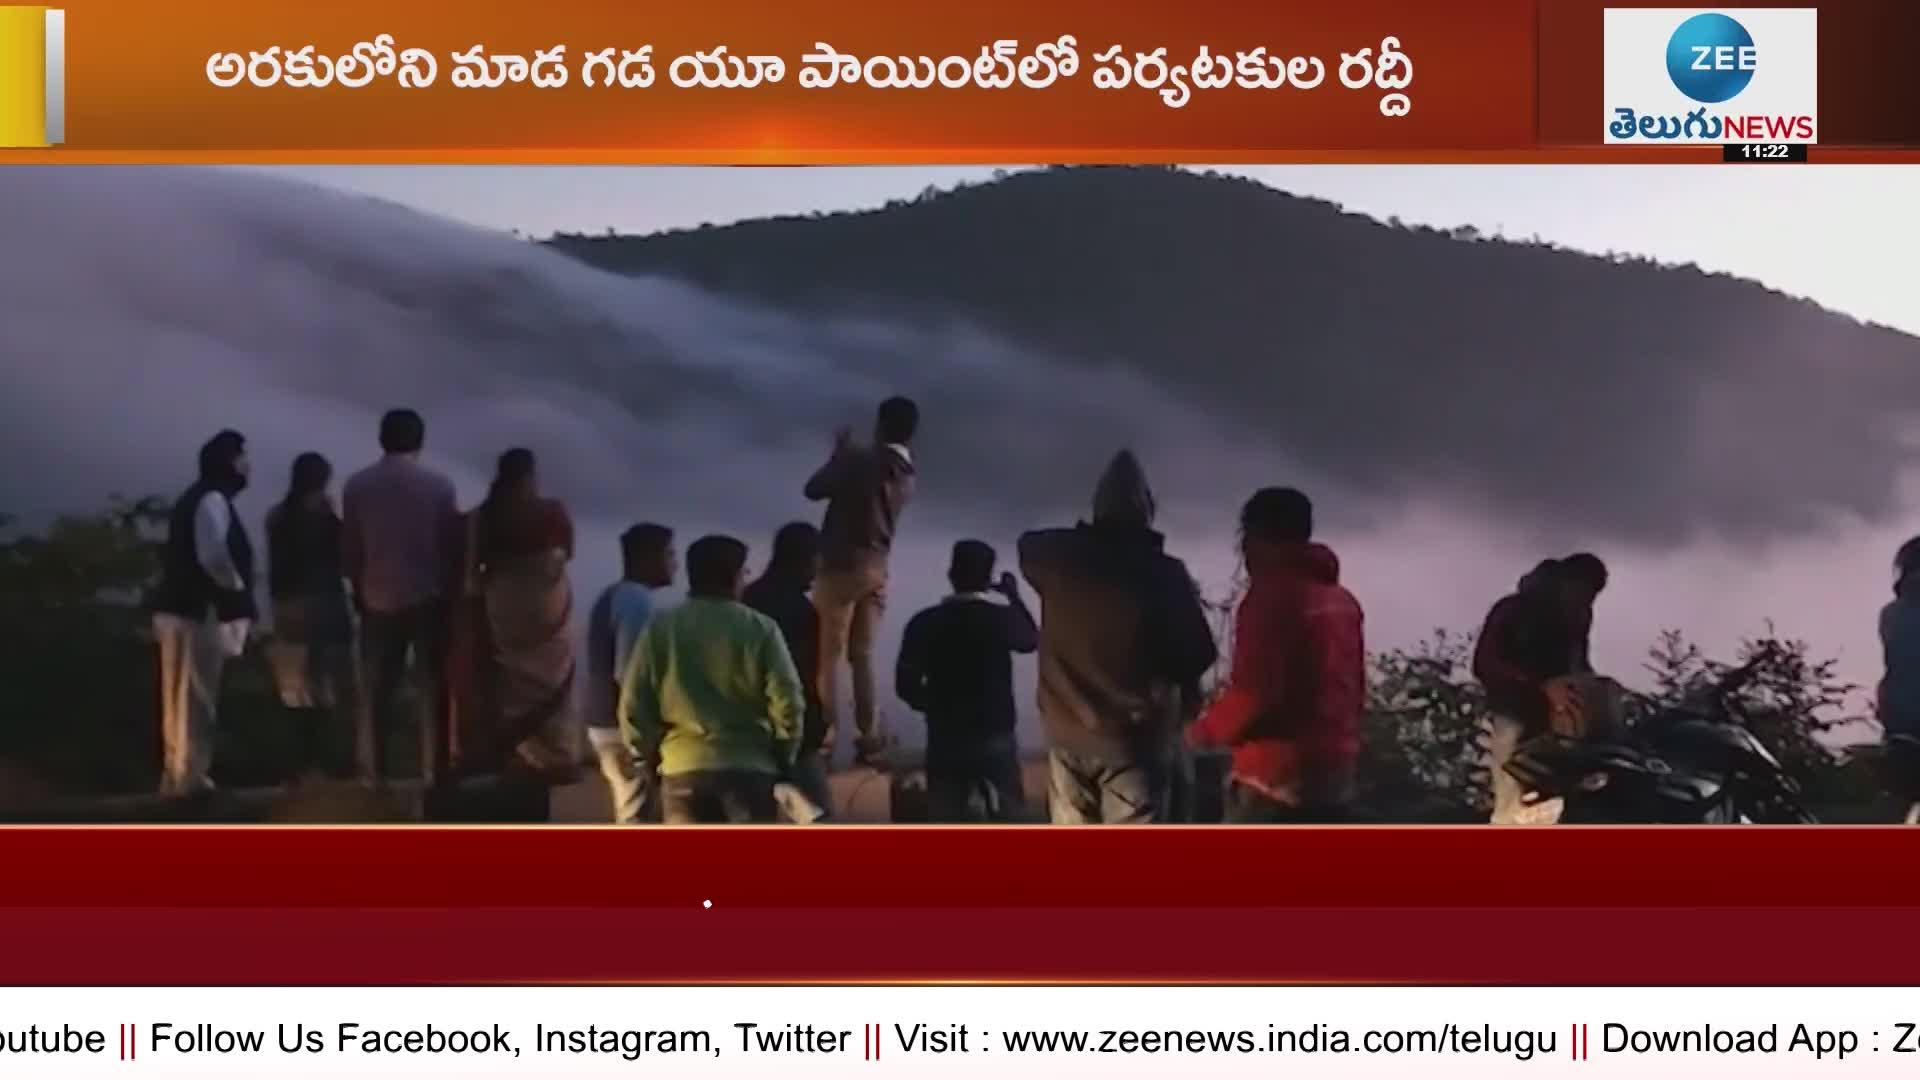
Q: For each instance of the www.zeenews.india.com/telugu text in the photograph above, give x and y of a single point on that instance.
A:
(1523, 1044)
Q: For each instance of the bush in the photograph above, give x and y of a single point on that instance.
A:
(1423, 753)
(1423, 742)
(1797, 706)
(77, 659)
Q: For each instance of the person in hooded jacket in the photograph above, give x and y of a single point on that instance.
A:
(1291, 709)
(1122, 635)
(1531, 642)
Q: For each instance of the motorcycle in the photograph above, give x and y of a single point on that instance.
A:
(1694, 764)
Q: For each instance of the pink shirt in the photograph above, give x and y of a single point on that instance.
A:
(398, 522)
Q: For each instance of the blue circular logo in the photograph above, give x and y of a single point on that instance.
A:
(1711, 58)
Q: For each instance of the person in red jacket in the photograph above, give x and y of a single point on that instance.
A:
(1291, 709)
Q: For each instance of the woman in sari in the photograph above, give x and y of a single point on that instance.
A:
(512, 664)
(311, 651)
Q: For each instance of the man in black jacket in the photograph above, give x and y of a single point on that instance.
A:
(781, 595)
(1122, 636)
(956, 669)
(203, 609)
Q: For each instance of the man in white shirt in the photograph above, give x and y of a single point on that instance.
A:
(203, 609)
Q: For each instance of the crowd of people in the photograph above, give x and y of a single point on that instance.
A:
(725, 707)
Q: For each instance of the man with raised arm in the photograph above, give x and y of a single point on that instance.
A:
(866, 488)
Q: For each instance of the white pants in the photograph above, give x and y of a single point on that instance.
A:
(192, 656)
(1509, 806)
(627, 787)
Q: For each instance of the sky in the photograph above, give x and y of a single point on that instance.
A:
(1817, 231)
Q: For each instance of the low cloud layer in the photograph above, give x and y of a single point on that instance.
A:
(140, 310)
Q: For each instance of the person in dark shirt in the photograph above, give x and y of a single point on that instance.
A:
(311, 652)
(1533, 639)
(781, 594)
(956, 668)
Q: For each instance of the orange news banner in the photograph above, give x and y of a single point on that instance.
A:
(138, 85)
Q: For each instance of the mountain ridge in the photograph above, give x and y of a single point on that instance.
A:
(1363, 346)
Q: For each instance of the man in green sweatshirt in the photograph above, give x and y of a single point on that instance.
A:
(711, 699)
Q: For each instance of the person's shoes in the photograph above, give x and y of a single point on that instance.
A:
(795, 806)
(196, 792)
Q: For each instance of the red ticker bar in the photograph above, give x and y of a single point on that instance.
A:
(1572, 906)
(1595, 946)
(956, 868)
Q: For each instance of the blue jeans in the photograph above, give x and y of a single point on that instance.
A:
(975, 783)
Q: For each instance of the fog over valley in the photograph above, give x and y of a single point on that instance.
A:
(1761, 468)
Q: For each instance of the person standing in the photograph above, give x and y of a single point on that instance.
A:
(521, 544)
(956, 669)
(781, 594)
(398, 520)
(613, 626)
(1532, 643)
(311, 651)
(1122, 635)
(203, 609)
(711, 700)
(1898, 699)
(866, 489)
(1291, 710)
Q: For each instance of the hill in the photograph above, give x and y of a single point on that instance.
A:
(1391, 358)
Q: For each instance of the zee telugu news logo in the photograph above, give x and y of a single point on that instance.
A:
(1720, 77)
